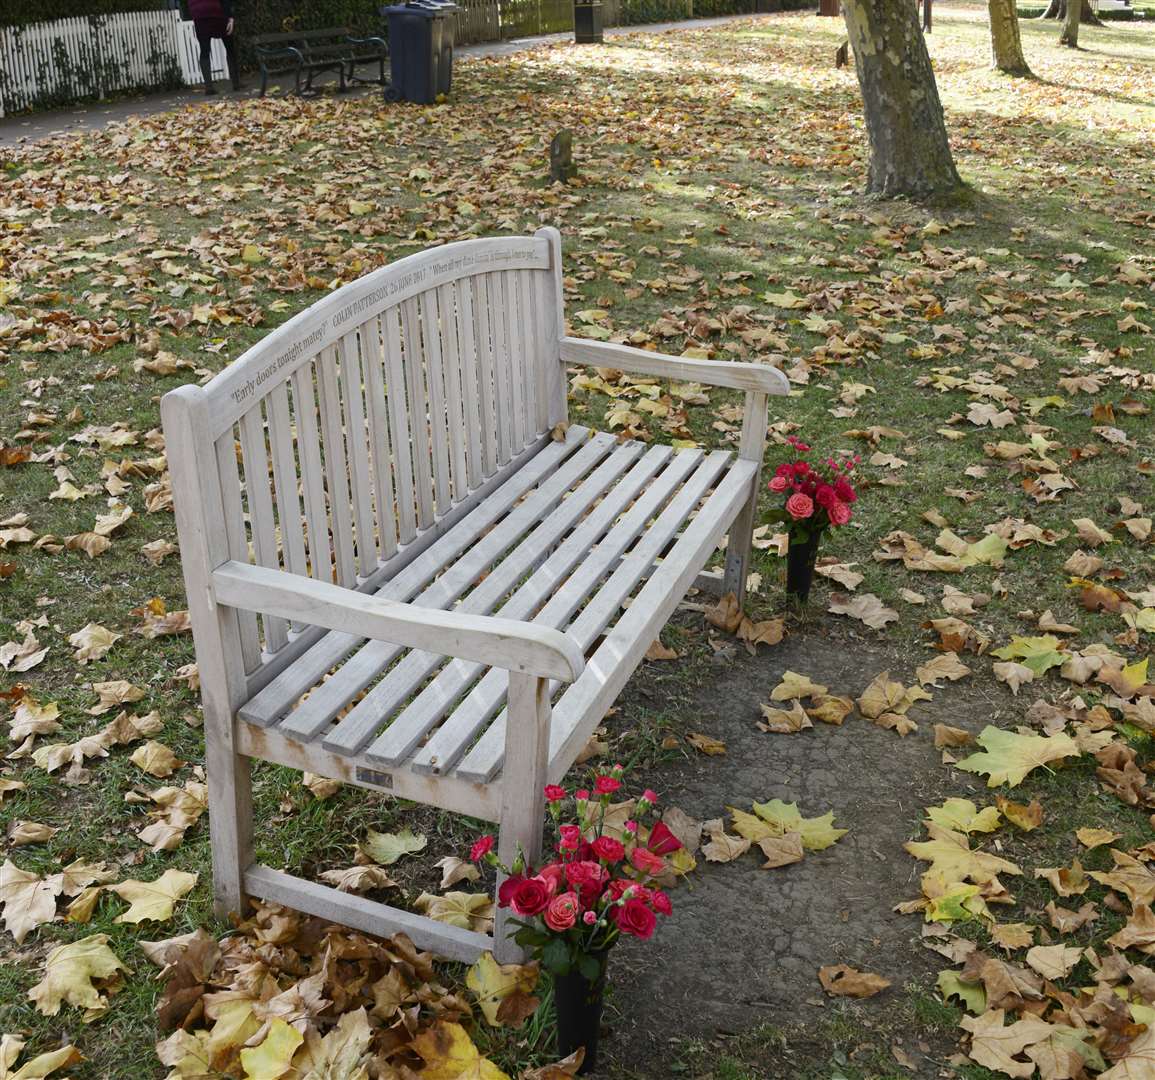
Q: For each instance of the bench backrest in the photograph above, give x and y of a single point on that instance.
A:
(347, 438)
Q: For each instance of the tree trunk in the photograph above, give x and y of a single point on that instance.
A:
(1057, 9)
(909, 150)
(1070, 34)
(1006, 42)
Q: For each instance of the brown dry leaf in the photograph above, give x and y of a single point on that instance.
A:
(764, 632)
(839, 980)
(866, 607)
(22, 656)
(1139, 933)
(1013, 674)
(179, 808)
(454, 870)
(726, 614)
(1091, 534)
(321, 787)
(1083, 565)
(29, 900)
(1053, 961)
(1050, 624)
(947, 736)
(91, 642)
(841, 572)
(114, 693)
(781, 850)
(1011, 936)
(793, 686)
(830, 709)
(1130, 877)
(1066, 921)
(705, 743)
(945, 666)
(658, 651)
(156, 759)
(22, 833)
(722, 847)
(781, 722)
(995, 1044)
(157, 551)
(1066, 881)
(1027, 817)
(1091, 838)
(359, 879)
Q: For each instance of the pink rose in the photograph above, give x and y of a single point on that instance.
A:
(635, 917)
(650, 796)
(778, 483)
(482, 848)
(799, 506)
(562, 912)
(552, 876)
(647, 862)
(839, 514)
(660, 902)
(631, 826)
(606, 785)
(590, 917)
(554, 793)
(609, 849)
(571, 837)
(585, 876)
(581, 795)
(507, 888)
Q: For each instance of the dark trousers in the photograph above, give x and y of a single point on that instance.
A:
(206, 30)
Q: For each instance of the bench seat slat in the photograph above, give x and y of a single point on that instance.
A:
(274, 699)
(483, 762)
(357, 728)
(404, 732)
(574, 566)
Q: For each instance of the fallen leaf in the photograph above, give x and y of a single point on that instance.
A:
(706, 744)
(1008, 757)
(71, 973)
(839, 980)
(154, 900)
(866, 606)
(386, 848)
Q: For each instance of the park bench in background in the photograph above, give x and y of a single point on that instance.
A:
(406, 572)
(308, 53)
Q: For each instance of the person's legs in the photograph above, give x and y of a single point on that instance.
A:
(205, 40)
(230, 41)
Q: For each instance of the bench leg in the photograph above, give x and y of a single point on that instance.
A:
(739, 543)
(522, 796)
(230, 818)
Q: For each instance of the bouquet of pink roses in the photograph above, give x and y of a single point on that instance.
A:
(600, 885)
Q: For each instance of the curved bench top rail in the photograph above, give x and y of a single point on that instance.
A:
(271, 361)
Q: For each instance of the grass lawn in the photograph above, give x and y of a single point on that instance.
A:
(718, 209)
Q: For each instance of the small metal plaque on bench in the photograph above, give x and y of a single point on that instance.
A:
(372, 776)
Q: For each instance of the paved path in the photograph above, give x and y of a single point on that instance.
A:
(34, 127)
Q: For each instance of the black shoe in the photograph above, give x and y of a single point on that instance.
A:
(210, 90)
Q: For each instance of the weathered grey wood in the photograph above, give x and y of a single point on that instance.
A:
(357, 447)
(590, 547)
(515, 331)
(451, 358)
(406, 730)
(435, 381)
(751, 448)
(312, 475)
(483, 762)
(236, 541)
(289, 518)
(262, 525)
(522, 792)
(457, 796)
(398, 408)
(216, 634)
(502, 369)
(336, 468)
(524, 647)
(481, 302)
(469, 362)
(304, 336)
(358, 725)
(414, 565)
(553, 329)
(757, 377)
(377, 414)
(435, 518)
(347, 909)
(415, 371)
(581, 709)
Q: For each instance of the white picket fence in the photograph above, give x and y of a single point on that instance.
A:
(69, 60)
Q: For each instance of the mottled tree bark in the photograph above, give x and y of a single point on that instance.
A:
(909, 150)
(1070, 34)
(1057, 9)
(1006, 41)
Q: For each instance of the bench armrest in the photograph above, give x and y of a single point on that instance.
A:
(758, 378)
(486, 639)
(268, 52)
(367, 41)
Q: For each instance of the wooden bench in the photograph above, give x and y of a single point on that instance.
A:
(308, 53)
(404, 572)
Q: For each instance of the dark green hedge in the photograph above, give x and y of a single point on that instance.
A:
(20, 12)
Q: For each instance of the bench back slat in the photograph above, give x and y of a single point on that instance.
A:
(366, 419)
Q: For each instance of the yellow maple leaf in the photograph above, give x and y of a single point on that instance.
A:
(449, 1055)
(492, 983)
(153, 899)
(69, 972)
(1007, 757)
(273, 1057)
